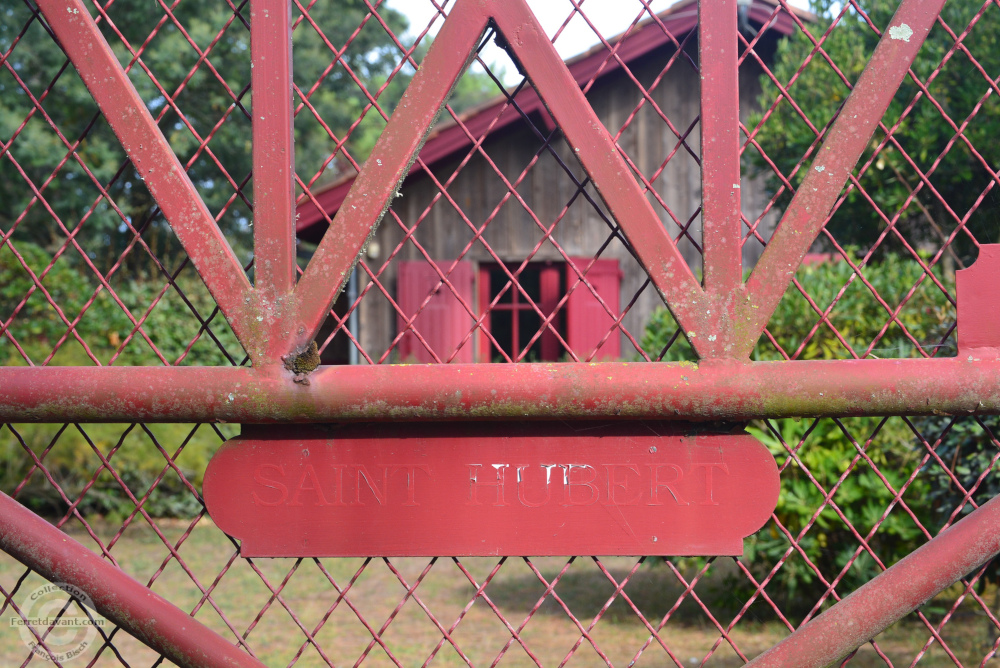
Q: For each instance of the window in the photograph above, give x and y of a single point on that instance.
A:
(513, 320)
(582, 321)
(512, 315)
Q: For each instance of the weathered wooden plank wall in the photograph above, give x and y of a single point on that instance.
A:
(477, 194)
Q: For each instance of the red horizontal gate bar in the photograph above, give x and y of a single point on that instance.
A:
(718, 390)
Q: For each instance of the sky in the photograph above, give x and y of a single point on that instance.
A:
(611, 16)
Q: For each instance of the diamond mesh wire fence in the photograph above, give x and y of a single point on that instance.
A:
(507, 240)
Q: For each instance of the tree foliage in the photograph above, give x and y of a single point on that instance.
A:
(195, 101)
(952, 87)
(856, 325)
(820, 455)
(213, 99)
(930, 182)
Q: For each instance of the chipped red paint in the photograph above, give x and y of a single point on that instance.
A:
(390, 159)
(152, 157)
(722, 320)
(831, 168)
(273, 147)
(725, 318)
(720, 149)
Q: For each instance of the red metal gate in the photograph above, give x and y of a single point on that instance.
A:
(878, 411)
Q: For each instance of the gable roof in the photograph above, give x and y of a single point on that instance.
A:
(449, 137)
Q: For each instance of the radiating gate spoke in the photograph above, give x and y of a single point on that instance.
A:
(274, 148)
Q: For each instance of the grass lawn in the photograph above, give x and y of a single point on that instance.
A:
(247, 600)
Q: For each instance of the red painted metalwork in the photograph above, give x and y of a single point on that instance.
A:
(278, 316)
(490, 490)
(720, 152)
(715, 323)
(726, 324)
(979, 306)
(451, 137)
(831, 169)
(376, 185)
(116, 595)
(273, 149)
(917, 578)
(708, 391)
(151, 154)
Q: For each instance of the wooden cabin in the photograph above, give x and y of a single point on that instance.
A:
(477, 206)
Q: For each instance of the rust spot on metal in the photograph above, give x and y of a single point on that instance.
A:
(302, 361)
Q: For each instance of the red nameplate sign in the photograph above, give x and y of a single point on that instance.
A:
(487, 489)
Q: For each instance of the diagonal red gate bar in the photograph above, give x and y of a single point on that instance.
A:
(723, 320)
(833, 165)
(152, 156)
(884, 600)
(376, 185)
(126, 602)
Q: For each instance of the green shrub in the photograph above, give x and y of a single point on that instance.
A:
(69, 455)
(824, 449)
(858, 316)
(103, 325)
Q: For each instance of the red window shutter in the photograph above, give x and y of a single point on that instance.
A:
(443, 323)
(485, 345)
(587, 321)
(551, 284)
